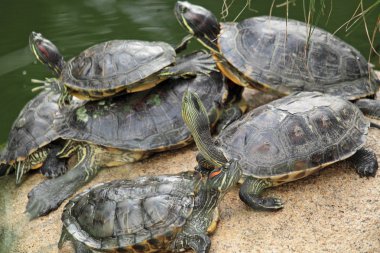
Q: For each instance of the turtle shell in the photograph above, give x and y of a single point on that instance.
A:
(280, 55)
(134, 215)
(143, 121)
(33, 128)
(295, 134)
(115, 65)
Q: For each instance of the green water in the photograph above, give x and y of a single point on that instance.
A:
(74, 25)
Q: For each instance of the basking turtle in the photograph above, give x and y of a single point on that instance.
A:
(34, 135)
(149, 214)
(108, 133)
(115, 66)
(286, 140)
(280, 56)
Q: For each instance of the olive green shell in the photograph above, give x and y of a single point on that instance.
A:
(134, 215)
(143, 121)
(114, 64)
(294, 134)
(279, 55)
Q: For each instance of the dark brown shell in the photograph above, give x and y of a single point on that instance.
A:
(279, 54)
(108, 66)
(125, 214)
(295, 133)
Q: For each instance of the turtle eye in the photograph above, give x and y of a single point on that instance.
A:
(215, 172)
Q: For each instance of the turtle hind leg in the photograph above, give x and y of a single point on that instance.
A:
(369, 107)
(250, 193)
(54, 166)
(365, 162)
(191, 65)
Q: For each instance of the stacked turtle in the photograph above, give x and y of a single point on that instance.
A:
(282, 141)
(279, 56)
(108, 132)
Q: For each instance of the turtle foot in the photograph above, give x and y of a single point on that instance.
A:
(202, 63)
(365, 162)
(262, 204)
(46, 197)
(191, 65)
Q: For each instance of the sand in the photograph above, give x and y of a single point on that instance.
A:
(332, 211)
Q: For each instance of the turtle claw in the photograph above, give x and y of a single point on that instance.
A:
(269, 204)
(261, 204)
(21, 169)
(44, 198)
(204, 64)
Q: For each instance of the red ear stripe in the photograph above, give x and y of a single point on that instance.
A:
(43, 50)
(215, 173)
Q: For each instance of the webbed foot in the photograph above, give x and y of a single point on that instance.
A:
(191, 65)
(48, 195)
(250, 193)
(262, 204)
(365, 162)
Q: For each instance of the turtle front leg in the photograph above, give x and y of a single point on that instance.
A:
(183, 44)
(65, 97)
(191, 65)
(369, 107)
(200, 243)
(48, 195)
(365, 162)
(250, 193)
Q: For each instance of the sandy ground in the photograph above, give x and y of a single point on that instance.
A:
(332, 211)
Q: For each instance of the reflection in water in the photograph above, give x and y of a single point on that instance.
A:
(151, 16)
(9, 64)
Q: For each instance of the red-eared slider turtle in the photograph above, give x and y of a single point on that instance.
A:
(108, 132)
(280, 56)
(286, 140)
(114, 66)
(149, 214)
(34, 135)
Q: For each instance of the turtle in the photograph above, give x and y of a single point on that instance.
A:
(33, 136)
(107, 133)
(280, 56)
(148, 214)
(109, 68)
(285, 140)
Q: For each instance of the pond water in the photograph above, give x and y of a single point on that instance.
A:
(75, 25)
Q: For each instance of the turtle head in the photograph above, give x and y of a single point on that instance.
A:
(195, 116)
(200, 22)
(224, 173)
(46, 52)
(226, 176)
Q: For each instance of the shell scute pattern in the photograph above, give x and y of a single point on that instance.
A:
(275, 53)
(303, 136)
(113, 64)
(147, 121)
(33, 128)
(144, 212)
